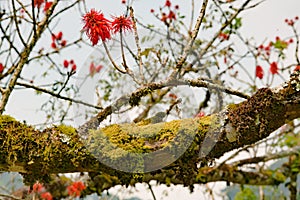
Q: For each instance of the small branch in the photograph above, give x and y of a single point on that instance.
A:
(33, 18)
(274, 156)
(58, 95)
(297, 45)
(151, 190)
(122, 51)
(137, 43)
(188, 47)
(10, 196)
(111, 59)
(201, 83)
(16, 23)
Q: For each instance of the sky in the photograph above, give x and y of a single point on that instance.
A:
(265, 21)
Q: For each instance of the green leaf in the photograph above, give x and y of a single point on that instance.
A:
(146, 52)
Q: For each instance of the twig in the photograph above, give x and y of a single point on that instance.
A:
(10, 196)
(137, 43)
(151, 190)
(111, 59)
(16, 22)
(58, 95)
(188, 47)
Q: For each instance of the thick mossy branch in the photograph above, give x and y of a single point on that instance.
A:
(169, 152)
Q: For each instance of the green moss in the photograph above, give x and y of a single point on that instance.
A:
(67, 130)
(6, 118)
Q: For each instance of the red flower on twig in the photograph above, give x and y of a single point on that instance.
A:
(38, 3)
(168, 3)
(96, 26)
(76, 188)
(259, 72)
(121, 23)
(47, 6)
(46, 195)
(273, 68)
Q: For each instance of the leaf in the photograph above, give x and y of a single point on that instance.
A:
(279, 44)
(146, 52)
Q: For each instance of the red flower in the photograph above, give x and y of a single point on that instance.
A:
(121, 23)
(79, 185)
(73, 68)
(47, 6)
(123, 1)
(273, 68)
(53, 45)
(38, 3)
(173, 96)
(66, 64)
(75, 189)
(297, 68)
(172, 15)
(96, 26)
(53, 37)
(176, 7)
(63, 43)
(152, 10)
(46, 195)
(59, 35)
(163, 17)
(98, 68)
(1, 68)
(224, 36)
(168, 3)
(259, 72)
(37, 187)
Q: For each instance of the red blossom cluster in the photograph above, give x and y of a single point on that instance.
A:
(57, 40)
(66, 64)
(39, 189)
(291, 22)
(168, 18)
(94, 69)
(98, 27)
(39, 3)
(264, 50)
(76, 188)
(278, 44)
(1, 68)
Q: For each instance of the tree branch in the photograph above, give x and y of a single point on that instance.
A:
(59, 149)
